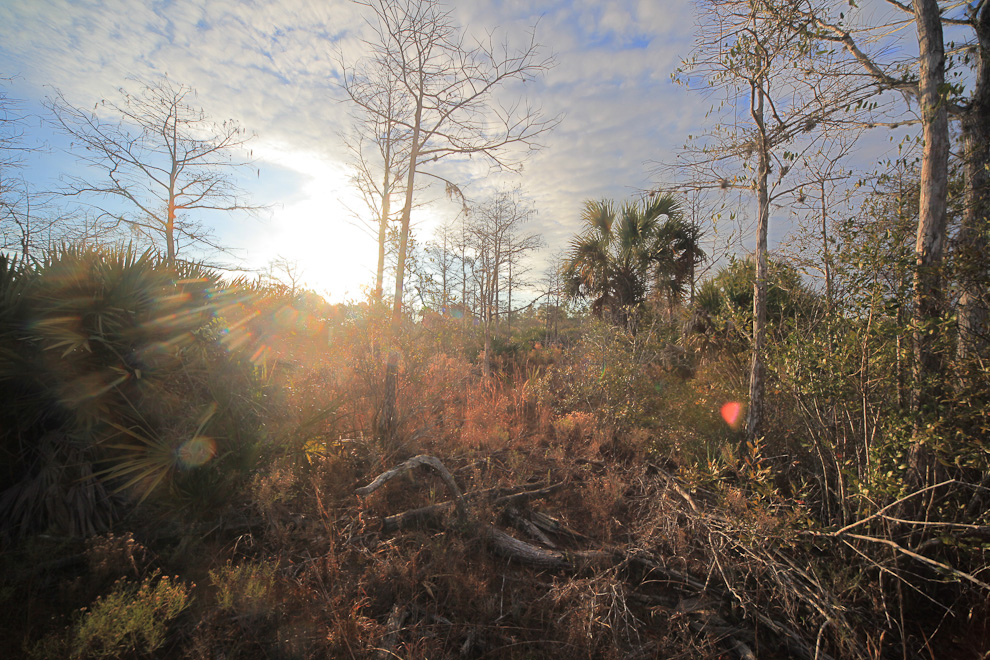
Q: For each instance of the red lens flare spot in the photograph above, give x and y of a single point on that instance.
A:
(732, 413)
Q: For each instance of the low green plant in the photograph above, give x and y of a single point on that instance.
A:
(134, 618)
(245, 589)
(127, 375)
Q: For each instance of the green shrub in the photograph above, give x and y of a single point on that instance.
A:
(134, 618)
(117, 379)
(244, 589)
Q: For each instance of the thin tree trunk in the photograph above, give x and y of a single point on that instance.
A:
(388, 420)
(382, 232)
(757, 372)
(826, 256)
(508, 309)
(973, 328)
(173, 175)
(931, 234)
(931, 218)
(487, 364)
(170, 233)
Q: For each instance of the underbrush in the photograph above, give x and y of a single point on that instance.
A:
(641, 525)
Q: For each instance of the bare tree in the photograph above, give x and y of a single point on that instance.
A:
(379, 147)
(448, 108)
(974, 304)
(23, 224)
(159, 161)
(937, 79)
(743, 51)
(443, 260)
(552, 289)
(497, 240)
(287, 272)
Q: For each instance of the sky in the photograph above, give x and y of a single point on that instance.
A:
(273, 65)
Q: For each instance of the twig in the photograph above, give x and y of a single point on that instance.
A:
(914, 555)
(893, 504)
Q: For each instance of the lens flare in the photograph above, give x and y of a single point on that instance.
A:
(197, 451)
(732, 414)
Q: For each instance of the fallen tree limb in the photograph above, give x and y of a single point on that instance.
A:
(395, 622)
(421, 460)
(904, 551)
(514, 549)
(525, 525)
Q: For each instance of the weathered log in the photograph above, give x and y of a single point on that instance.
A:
(554, 526)
(510, 547)
(505, 545)
(395, 622)
(523, 524)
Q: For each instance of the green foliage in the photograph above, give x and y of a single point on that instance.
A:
(245, 589)
(607, 372)
(134, 618)
(622, 257)
(727, 299)
(131, 617)
(120, 379)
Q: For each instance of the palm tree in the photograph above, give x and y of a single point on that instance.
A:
(112, 363)
(614, 260)
(675, 251)
(596, 267)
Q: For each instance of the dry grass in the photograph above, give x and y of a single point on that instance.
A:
(298, 566)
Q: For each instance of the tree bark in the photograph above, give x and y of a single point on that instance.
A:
(930, 242)
(388, 419)
(757, 371)
(974, 280)
(170, 233)
(383, 231)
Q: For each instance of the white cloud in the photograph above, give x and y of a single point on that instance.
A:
(271, 64)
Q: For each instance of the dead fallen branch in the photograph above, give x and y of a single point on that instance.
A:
(422, 460)
(640, 570)
(935, 564)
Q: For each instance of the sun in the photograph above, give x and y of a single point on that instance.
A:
(317, 229)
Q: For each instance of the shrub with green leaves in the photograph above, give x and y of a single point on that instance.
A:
(245, 589)
(115, 383)
(726, 300)
(606, 373)
(134, 618)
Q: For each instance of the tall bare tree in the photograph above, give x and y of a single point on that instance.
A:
(930, 243)
(945, 85)
(285, 272)
(497, 238)
(449, 108)
(158, 161)
(552, 287)
(23, 225)
(974, 303)
(379, 147)
(743, 51)
(443, 263)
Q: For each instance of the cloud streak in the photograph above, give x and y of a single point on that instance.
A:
(273, 66)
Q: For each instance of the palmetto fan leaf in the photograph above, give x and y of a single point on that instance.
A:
(620, 257)
(96, 355)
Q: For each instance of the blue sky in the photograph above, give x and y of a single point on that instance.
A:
(271, 65)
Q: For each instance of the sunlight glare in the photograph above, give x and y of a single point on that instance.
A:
(197, 451)
(317, 230)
